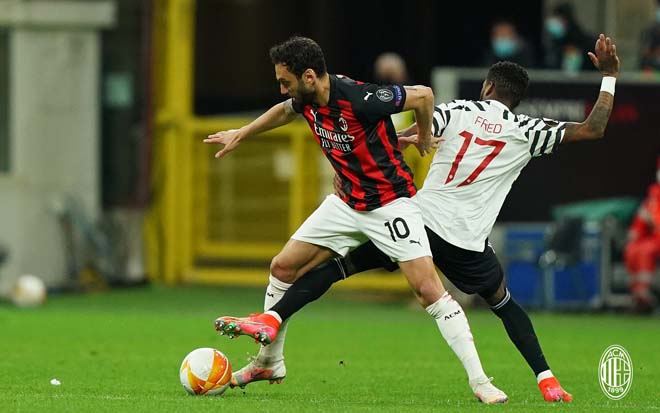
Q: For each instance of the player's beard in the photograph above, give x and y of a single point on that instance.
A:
(307, 96)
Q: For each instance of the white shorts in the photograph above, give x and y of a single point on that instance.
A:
(397, 228)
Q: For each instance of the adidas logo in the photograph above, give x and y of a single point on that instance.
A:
(450, 316)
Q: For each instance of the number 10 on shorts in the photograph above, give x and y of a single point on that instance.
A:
(398, 228)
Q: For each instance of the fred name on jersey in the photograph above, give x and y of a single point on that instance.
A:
(484, 124)
(332, 139)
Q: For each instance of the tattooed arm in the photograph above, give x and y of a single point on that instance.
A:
(607, 62)
(594, 126)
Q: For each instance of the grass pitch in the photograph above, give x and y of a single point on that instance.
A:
(121, 350)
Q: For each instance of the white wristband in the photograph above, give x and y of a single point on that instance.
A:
(607, 85)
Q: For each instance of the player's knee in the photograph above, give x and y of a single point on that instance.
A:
(281, 270)
(495, 298)
(428, 291)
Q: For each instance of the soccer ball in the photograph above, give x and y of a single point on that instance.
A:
(205, 371)
(28, 291)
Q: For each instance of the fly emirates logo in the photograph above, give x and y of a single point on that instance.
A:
(330, 139)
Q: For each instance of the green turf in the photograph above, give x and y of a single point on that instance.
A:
(121, 350)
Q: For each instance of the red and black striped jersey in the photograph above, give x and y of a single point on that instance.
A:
(356, 134)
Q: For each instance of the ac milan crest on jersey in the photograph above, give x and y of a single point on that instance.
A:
(356, 134)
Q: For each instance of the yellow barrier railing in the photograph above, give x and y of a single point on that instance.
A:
(256, 193)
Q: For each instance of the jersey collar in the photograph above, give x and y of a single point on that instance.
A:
(498, 104)
(333, 87)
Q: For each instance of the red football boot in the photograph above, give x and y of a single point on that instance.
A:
(553, 392)
(261, 327)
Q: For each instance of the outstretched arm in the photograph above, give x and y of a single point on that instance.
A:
(607, 62)
(278, 115)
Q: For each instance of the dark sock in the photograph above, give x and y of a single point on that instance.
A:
(318, 280)
(521, 332)
(367, 257)
(308, 288)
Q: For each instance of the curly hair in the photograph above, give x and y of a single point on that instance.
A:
(510, 80)
(299, 54)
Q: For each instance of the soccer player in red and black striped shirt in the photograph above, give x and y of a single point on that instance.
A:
(351, 122)
(358, 137)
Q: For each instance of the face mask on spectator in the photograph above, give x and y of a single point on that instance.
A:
(504, 47)
(555, 27)
(657, 15)
(572, 61)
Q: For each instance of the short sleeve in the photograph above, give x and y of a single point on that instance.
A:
(380, 101)
(441, 116)
(543, 135)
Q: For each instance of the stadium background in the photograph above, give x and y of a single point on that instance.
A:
(105, 183)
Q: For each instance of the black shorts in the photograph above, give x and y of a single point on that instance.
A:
(470, 271)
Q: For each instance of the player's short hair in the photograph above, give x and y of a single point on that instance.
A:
(510, 80)
(299, 54)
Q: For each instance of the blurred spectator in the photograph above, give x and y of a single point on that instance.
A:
(507, 44)
(643, 248)
(650, 44)
(569, 44)
(390, 68)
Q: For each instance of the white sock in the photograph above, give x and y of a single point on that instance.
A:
(544, 375)
(453, 325)
(275, 350)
